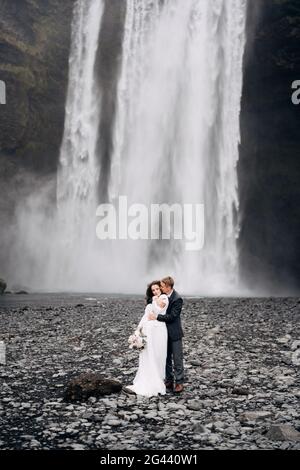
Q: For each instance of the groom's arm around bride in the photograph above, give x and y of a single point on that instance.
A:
(172, 317)
(174, 310)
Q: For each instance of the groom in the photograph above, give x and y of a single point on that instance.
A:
(175, 334)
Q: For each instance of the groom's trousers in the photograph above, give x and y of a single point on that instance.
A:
(175, 352)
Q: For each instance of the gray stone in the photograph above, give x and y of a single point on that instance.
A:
(114, 422)
(283, 433)
(295, 345)
(198, 428)
(195, 363)
(284, 340)
(231, 431)
(162, 435)
(77, 446)
(194, 405)
(255, 415)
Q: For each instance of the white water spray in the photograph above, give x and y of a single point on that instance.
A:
(175, 134)
(78, 172)
(177, 130)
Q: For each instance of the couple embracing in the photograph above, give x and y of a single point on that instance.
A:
(161, 361)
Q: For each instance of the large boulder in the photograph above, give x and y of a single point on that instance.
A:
(283, 432)
(87, 385)
(2, 286)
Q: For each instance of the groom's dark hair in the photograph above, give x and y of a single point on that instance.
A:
(149, 293)
(169, 281)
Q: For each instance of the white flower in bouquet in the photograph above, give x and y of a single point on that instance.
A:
(137, 341)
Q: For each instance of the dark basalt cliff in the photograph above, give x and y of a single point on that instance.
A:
(269, 169)
(34, 50)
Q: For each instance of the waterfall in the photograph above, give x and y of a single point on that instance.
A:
(177, 131)
(175, 141)
(78, 172)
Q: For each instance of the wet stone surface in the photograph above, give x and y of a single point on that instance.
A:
(242, 388)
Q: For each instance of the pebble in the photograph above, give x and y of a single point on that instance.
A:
(241, 388)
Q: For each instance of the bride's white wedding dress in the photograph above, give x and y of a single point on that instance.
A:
(149, 379)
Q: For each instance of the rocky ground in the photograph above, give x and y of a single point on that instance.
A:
(242, 375)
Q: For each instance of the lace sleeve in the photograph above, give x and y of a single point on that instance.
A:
(145, 316)
(158, 310)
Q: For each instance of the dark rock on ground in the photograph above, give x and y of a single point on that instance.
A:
(240, 391)
(90, 385)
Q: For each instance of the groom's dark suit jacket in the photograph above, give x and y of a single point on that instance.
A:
(172, 317)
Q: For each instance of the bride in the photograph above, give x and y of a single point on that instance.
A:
(149, 379)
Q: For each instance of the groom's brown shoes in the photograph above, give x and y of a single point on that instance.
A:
(178, 388)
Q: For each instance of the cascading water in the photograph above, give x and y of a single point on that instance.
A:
(78, 172)
(177, 130)
(175, 140)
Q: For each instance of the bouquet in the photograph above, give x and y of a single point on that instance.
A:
(137, 340)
